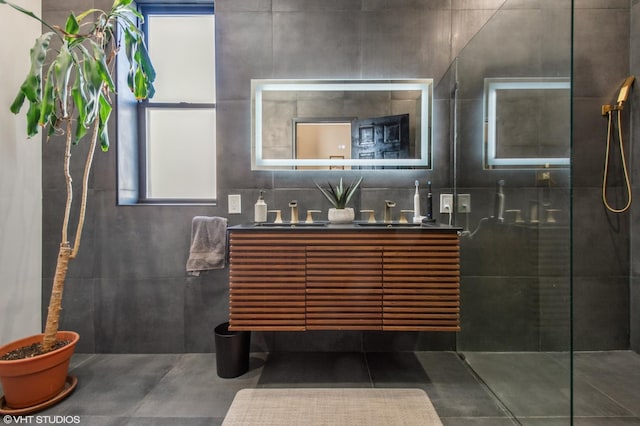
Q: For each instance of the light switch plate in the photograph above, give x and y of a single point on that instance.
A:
(235, 204)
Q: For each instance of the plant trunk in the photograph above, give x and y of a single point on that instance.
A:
(55, 302)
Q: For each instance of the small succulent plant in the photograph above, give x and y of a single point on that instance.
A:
(340, 194)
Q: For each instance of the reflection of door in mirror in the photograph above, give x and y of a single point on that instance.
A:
(380, 138)
(326, 140)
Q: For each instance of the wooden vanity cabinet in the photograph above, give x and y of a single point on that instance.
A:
(383, 279)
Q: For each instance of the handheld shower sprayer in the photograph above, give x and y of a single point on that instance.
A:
(607, 110)
(623, 95)
(624, 90)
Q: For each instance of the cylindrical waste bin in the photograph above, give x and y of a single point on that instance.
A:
(232, 351)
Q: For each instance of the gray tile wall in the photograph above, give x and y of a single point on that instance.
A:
(128, 291)
(601, 258)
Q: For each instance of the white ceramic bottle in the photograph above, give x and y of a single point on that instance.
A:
(260, 210)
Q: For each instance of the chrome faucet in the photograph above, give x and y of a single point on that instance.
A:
(294, 211)
(387, 210)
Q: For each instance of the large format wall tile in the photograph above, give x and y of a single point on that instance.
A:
(137, 254)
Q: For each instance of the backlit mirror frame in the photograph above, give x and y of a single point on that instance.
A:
(423, 135)
(491, 87)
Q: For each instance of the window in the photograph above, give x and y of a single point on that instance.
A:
(174, 139)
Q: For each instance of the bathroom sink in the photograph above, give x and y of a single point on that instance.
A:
(291, 225)
(390, 225)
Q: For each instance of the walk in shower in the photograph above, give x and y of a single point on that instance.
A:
(509, 95)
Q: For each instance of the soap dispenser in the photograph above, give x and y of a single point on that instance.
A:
(260, 210)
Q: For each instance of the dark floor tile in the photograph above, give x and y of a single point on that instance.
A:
(615, 374)
(81, 420)
(606, 421)
(174, 421)
(314, 369)
(184, 389)
(193, 389)
(529, 384)
(408, 341)
(477, 421)
(316, 341)
(545, 421)
(113, 385)
(78, 359)
(396, 369)
(454, 390)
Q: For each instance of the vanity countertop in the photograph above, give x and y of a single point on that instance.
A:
(355, 226)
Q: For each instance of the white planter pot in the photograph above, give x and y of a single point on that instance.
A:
(338, 216)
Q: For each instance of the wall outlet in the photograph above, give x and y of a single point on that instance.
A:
(464, 203)
(446, 200)
(235, 204)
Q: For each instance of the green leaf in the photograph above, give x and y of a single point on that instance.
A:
(105, 112)
(140, 87)
(339, 195)
(120, 3)
(145, 62)
(72, 26)
(87, 12)
(122, 14)
(31, 85)
(351, 189)
(53, 122)
(101, 66)
(33, 116)
(81, 131)
(17, 102)
(93, 80)
(48, 99)
(38, 52)
(63, 66)
(81, 105)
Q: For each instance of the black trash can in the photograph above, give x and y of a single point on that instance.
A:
(232, 351)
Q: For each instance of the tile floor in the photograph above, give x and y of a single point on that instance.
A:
(516, 388)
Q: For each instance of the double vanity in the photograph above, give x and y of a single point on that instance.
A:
(362, 276)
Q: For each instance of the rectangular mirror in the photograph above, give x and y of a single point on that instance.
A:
(341, 124)
(527, 121)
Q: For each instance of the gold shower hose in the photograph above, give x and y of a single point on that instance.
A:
(624, 165)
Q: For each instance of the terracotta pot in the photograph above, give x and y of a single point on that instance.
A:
(339, 216)
(31, 381)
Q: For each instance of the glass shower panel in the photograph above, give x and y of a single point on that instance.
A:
(515, 247)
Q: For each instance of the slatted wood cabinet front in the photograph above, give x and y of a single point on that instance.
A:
(295, 280)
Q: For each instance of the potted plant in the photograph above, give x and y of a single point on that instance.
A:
(339, 196)
(69, 92)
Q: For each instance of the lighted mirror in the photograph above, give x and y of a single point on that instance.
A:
(527, 122)
(341, 124)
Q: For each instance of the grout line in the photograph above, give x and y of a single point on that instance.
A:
(479, 379)
(366, 363)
